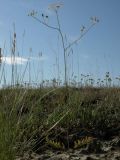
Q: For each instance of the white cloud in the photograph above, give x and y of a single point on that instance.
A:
(16, 60)
(20, 60)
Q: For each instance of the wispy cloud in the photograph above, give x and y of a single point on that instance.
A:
(21, 60)
(16, 60)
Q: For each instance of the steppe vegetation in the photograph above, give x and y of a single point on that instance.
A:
(56, 115)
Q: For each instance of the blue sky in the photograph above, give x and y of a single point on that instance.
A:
(99, 50)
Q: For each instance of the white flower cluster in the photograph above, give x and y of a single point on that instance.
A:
(55, 6)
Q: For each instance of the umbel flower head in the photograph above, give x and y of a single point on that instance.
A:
(55, 6)
(32, 13)
(82, 28)
(94, 19)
